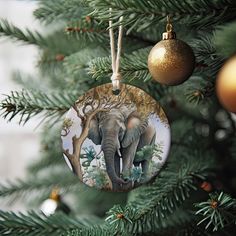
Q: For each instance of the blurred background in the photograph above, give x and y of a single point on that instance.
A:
(19, 144)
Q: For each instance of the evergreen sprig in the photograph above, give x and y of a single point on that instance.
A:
(51, 155)
(76, 63)
(27, 36)
(88, 33)
(27, 104)
(54, 10)
(200, 92)
(57, 41)
(218, 211)
(132, 66)
(153, 204)
(209, 62)
(33, 223)
(40, 186)
(224, 39)
(47, 161)
(141, 14)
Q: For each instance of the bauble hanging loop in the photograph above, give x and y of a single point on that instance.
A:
(115, 57)
(116, 85)
(171, 61)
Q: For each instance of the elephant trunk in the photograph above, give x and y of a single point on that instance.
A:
(109, 150)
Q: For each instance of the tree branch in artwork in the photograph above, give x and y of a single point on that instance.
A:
(66, 127)
(86, 108)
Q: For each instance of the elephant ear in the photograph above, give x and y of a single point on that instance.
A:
(94, 134)
(135, 128)
(126, 111)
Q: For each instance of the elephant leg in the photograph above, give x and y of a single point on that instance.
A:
(127, 160)
(147, 138)
(117, 186)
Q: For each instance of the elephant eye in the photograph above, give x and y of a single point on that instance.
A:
(100, 130)
(121, 133)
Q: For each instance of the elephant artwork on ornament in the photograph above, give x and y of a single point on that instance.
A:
(115, 142)
(121, 133)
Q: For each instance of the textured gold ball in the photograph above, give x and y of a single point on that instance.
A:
(226, 85)
(171, 62)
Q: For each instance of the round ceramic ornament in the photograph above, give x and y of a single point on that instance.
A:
(115, 142)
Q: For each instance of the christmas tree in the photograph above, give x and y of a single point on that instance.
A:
(194, 194)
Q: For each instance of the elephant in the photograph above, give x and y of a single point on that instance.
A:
(121, 133)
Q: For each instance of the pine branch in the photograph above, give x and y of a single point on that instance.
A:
(88, 32)
(90, 231)
(142, 14)
(54, 10)
(135, 64)
(50, 64)
(33, 223)
(28, 104)
(184, 130)
(36, 187)
(124, 220)
(153, 204)
(199, 91)
(224, 40)
(51, 155)
(27, 36)
(55, 41)
(78, 61)
(176, 220)
(169, 179)
(28, 82)
(46, 161)
(218, 211)
(134, 70)
(132, 66)
(209, 61)
(66, 45)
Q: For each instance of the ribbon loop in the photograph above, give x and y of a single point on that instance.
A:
(116, 76)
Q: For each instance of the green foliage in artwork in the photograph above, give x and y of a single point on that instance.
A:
(99, 178)
(148, 152)
(136, 174)
(96, 174)
(89, 154)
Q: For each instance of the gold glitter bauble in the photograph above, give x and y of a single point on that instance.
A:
(171, 61)
(226, 85)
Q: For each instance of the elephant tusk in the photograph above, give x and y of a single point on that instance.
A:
(119, 153)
